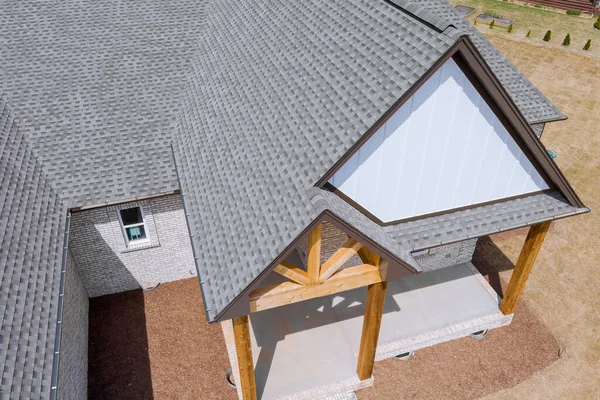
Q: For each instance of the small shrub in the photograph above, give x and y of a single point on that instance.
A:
(528, 33)
(492, 24)
(567, 41)
(475, 21)
(538, 6)
(597, 24)
(587, 44)
(548, 36)
(510, 28)
(573, 12)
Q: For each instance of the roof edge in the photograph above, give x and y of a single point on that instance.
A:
(520, 123)
(61, 295)
(578, 211)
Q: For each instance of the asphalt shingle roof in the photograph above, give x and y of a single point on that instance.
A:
(482, 220)
(96, 86)
(277, 92)
(281, 92)
(32, 219)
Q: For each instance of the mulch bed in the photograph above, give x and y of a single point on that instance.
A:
(157, 345)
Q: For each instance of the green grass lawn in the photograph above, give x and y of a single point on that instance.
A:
(539, 21)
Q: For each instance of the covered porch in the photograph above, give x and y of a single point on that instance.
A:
(312, 339)
(177, 354)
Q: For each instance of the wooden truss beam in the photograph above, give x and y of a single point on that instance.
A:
(243, 347)
(293, 273)
(339, 258)
(370, 330)
(290, 292)
(368, 257)
(529, 252)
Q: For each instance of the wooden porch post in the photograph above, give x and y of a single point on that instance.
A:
(370, 329)
(529, 252)
(243, 347)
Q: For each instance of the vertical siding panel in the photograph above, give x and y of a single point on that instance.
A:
(490, 158)
(442, 134)
(458, 139)
(420, 135)
(368, 160)
(472, 161)
(444, 148)
(402, 196)
(391, 165)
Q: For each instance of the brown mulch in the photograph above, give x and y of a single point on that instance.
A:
(157, 345)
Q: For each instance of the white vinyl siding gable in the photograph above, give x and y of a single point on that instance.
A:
(444, 148)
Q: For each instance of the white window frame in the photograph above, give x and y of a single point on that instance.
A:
(143, 223)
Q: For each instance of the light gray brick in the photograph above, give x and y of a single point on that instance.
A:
(107, 265)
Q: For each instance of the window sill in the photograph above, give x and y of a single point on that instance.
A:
(139, 246)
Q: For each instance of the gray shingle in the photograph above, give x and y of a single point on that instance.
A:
(482, 220)
(31, 230)
(534, 106)
(96, 87)
(267, 113)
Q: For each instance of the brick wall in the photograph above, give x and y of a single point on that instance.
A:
(107, 265)
(73, 359)
(446, 255)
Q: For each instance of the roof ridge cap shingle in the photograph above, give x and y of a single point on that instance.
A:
(423, 15)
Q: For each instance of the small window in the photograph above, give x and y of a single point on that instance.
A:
(133, 224)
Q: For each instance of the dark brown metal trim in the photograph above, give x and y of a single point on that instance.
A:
(328, 216)
(329, 187)
(479, 74)
(522, 129)
(124, 200)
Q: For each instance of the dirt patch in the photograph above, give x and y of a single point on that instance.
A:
(156, 345)
(468, 368)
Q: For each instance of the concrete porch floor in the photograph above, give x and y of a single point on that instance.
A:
(309, 349)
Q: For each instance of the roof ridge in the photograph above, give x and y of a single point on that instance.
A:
(425, 16)
(5, 107)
